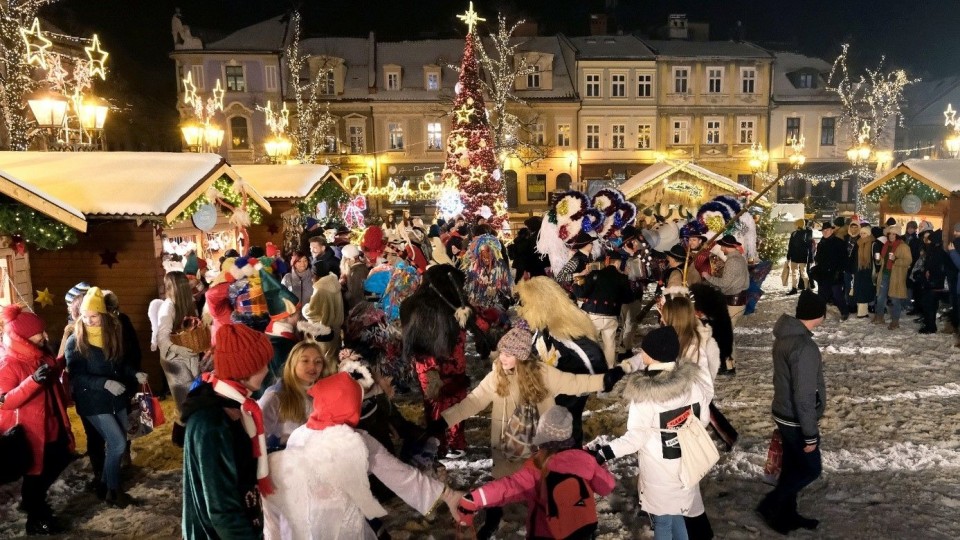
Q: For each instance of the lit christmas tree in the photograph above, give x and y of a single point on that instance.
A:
(471, 160)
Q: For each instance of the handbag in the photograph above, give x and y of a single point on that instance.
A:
(698, 454)
(194, 335)
(15, 452)
(142, 415)
(516, 439)
(771, 469)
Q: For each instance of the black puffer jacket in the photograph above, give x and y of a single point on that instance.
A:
(604, 292)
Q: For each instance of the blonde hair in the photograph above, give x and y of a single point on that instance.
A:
(291, 393)
(529, 380)
(678, 311)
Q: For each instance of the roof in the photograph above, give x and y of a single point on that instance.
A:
(411, 56)
(286, 181)
(783, 88)
(267, 35)
(30, 196)
(122, 184)
(627, 47)
(356, 59)
(942, 175)
(653, 175)
(707, 49)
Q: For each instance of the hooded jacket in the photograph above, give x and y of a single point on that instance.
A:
(300, 284)
(799, 391)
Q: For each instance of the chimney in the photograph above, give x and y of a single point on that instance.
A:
(598, 24)
(372, 63)
(678, 26)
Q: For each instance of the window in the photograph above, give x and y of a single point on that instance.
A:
(513, 196)
(593, 85)
(234, 75)
(617, 136)
(433, 81)
(714, 80)
(681, 76)
(395, 130)
(793, 129)
(563, 182)
(533, 78)
(805, 80)
(434, 136)
(714, 127)
(644, 136)
(536, 187)
(563, 135)
(747, 127)
(197, 72)
(618, 85)
(393, 80)
(593, 136)
(828, 128)
(748, 80)
(330, 144)
(239, 139)
(538, 134)
(681, 131)
(356, 139)
(271, 80)
(326, 82)
(644, 85)
(745, 180)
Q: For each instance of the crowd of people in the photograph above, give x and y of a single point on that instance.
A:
(287, 421)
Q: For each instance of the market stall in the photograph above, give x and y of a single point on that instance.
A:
(918, 190)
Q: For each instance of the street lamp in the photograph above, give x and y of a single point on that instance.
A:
(278, 148)
(93, 113)
(759, 158)
(797, 159)
(953, 141)
(49, 108)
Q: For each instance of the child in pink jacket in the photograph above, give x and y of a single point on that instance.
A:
(557, 484)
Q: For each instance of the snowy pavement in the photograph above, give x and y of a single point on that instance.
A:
(891, 449)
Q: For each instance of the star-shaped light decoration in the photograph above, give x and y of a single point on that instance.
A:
(950, 115)
(477, 174)
(189, 89)
(218, 93)
(470, 18)
(37, 45)
(463, 114)
(109, 258)
(458, 143)
(97, 58)
(44, 297)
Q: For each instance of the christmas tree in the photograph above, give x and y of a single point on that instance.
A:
(471, 160)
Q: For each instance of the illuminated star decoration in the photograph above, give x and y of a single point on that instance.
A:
(470, 18)
(477, 174)
(44, 297)
(458, 143)
(37, 45)
(463, 114)
(97, 58)
(950, 115)
(109, 258)
(189, 89)
(218, 94)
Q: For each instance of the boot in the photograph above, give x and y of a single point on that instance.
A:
(806, 523)
(893, 325)
(862, 311)
(119, 499)
(948, 329)
(44, 526)
(775, 518)
(792, 291)
(877, 319)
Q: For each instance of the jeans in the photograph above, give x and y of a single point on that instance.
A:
(798, 471)
(95, 447)
(113, 429)
(669, 527)
(896, 304)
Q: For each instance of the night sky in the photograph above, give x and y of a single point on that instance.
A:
(921, 37)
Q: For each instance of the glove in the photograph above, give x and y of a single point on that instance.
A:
(603, 454)
(141, 377)
(612, 377)
(436, 428)
(433, 385)
(114, 387)
(466, 510)
(42, 373)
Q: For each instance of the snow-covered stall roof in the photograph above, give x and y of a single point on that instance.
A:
(942, 175)
(123, 184)
(656, 173)
(28, 195)
(286, 181)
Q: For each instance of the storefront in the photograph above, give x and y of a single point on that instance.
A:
(600, 175)
(681, 185)
(919, 190)
(413, 174)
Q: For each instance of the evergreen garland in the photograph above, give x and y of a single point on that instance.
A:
(329, 191)
(225, 187)
(898, 187)
(34, 227)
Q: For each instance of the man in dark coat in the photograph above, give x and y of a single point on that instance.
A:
(931, 281)
(830, 260)
(603, 293)
(528, 262)
(799, 398)
(798, 256)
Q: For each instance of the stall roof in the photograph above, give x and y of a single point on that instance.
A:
(28, 195)
(942, 175)
(286, 181)
(122, 184)
(649, 177)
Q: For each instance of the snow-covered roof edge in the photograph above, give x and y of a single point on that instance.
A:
(41, 202)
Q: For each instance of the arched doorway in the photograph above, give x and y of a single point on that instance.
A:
(563, 182)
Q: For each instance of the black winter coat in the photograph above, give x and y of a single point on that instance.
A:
(604, 291)
(798, 248)
(831, 259)
(89, 373)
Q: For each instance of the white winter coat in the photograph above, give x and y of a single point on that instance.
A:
(661, 402)
(322, 490)
(707, 355)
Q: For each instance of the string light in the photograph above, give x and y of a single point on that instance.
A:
(37, 45)
(36, 228)
(314, 121)
(97, 57)
(898, 187)
(227, 192)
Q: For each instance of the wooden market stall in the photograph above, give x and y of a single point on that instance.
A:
(127, 199)
(918, 190)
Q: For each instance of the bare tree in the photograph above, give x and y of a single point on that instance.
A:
(314, 121)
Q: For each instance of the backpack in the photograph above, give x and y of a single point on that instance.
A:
(569, 505)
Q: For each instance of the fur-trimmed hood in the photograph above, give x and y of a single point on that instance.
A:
(660, 386)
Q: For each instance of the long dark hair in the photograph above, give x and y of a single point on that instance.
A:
(112, 337)
(177, 289)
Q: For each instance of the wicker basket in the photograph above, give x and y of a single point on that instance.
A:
(194, 336)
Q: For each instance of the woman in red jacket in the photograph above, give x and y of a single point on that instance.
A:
(31, 395)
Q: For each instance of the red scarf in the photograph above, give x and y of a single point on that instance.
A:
(252, 419)
(889, 247)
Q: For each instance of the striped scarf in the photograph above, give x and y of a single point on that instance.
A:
(252, 419)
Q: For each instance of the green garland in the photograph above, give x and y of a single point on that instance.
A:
(34, 227)
(225, 186)
(898, 187)
(329, 191)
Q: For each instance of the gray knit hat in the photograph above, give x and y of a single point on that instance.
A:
(556, 425)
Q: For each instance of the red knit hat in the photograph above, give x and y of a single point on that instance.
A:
(23, 324)
(336, 400)
(240, 352)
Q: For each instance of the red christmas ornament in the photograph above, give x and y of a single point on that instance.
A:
(19, 245)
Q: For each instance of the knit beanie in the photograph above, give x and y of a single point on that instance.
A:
(956, 227)
(518, 343)
(662, 344)
(891, 221)
(93, 301)
(555, 425)
(79, 289)
(240, 352)
(336, 401)
(810, 306)
(876, 232)
(350, 251)
(23, 324)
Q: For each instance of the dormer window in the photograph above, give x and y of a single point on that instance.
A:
(805, 80)
(533, 78)
(391, 77)
(431, 77)
(538, 67)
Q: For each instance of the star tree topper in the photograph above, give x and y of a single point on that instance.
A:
(470, 18)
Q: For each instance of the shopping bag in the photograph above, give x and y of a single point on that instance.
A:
(141, 414)
(771, 469)
(698, 454)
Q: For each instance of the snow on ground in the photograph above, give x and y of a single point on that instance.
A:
(891, 449)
